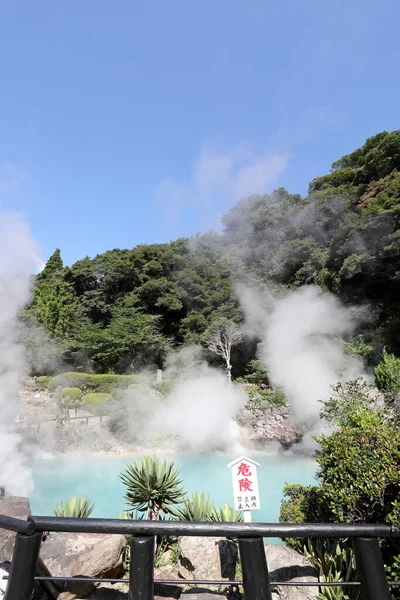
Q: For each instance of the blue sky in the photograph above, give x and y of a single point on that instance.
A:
(125, 122)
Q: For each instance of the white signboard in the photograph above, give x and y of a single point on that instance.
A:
(245, 484)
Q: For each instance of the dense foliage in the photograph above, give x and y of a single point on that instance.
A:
(128, 308)
(358, 480)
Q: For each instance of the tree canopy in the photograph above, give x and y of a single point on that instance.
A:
(128, 307)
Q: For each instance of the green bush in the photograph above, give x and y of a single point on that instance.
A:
(387, 373)
(262, 398)
(72, 393)
(97, 403)
(42, 382)
(358, 480)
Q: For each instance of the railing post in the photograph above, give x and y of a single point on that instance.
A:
(141, 573)
(23, 566)
(254, 568)
(371, 569)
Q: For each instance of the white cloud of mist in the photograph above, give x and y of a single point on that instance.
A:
(300, 345)
(217, 180)
(201, 409)
(198, 412)
(19, 258)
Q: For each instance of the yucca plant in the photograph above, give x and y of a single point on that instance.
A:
(153, 486)
(226, 514)
(196, 507)
(74, 507)
(334, 562)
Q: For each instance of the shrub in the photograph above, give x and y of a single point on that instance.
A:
(358, 480)
(97, 403)
(43, 382)
(262, 398)
(71, 393)
(387, 373)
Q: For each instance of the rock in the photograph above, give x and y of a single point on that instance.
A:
(91, 555)
(202, 594)
(273, 423)
(110, 591)
(17, 507)
(284, 564)
(207, 558)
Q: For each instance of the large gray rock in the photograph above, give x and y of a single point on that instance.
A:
(91, 555)
(284, 564)
(207, 558)
(17, 507)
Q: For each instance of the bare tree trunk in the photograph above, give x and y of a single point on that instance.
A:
(229, 374)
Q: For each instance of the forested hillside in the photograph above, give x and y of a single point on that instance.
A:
(125, 309)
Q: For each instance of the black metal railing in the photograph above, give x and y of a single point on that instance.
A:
(256, 581)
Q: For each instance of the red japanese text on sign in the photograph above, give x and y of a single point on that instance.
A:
(244, 469)
(245, 485)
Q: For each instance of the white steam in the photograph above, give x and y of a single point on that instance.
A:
(19, 257)
(200, 410)
(301, 345)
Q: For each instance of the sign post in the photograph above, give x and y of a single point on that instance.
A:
(245, 486)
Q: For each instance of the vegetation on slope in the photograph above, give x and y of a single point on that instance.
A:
(125, 309)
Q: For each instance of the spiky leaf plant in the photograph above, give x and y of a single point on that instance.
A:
(153, 485)
(196, 507)
(74, 507)
(226, 514)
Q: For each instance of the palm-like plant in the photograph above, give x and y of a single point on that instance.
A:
(74, 507)
(196, 507)
(153, 485)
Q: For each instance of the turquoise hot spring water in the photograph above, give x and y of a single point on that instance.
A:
(98, 477)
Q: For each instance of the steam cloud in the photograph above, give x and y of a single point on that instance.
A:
(19, 257)
(300, 344)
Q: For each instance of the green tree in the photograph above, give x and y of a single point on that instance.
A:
(54, 266)
(153, 486)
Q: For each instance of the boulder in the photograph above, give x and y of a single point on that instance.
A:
(91, 555)
(285, 564)
(17, 507)
(207, 558)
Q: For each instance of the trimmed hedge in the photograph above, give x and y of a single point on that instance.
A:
(96, 403)
(106, 384)
(65, 380)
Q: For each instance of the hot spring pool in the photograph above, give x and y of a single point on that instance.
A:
(98, 477)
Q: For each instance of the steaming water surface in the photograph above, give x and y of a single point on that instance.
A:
(98, 478)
